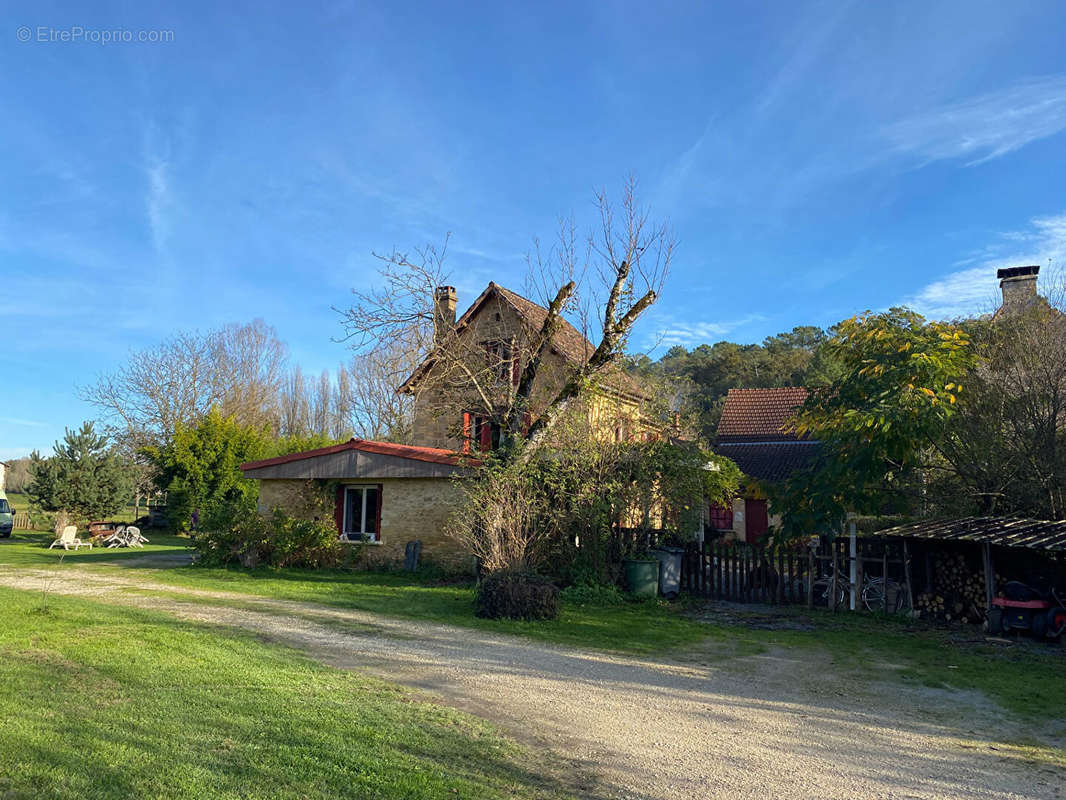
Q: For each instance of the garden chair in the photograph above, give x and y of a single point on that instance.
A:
(133, 537)
(68, 538)
(117, 538)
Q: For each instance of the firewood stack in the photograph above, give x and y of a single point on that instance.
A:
(958, 591)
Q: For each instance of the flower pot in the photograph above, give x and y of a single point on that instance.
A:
(669, 570)
(642, 577)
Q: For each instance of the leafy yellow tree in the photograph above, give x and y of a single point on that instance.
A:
(901, 381)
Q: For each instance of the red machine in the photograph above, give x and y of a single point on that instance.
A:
(1023, 608)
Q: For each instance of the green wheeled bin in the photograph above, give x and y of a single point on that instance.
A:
(642, 576)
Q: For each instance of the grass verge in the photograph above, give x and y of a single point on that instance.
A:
(1026, 679)
(629, 627)
(107, 702)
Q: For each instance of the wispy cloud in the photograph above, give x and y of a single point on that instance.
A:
(987, 126)
(691, 334)
(158, 202)
(30, 423)
(974, 289)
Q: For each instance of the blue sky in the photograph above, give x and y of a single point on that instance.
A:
(814, 160)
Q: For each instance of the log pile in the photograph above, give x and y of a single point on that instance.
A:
(958, 591)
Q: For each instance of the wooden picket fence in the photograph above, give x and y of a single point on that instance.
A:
(745, 573)
(22, 522)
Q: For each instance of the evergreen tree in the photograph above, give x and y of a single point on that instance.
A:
(200, 466)
(84, 476)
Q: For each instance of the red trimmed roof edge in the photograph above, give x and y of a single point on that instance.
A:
(433, 455)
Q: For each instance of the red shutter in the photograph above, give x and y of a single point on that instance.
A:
(486, 435)
(377, 525)
(527, 420)
(338, 511)
(466, 432)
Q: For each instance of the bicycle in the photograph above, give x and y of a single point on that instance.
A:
(872, 594)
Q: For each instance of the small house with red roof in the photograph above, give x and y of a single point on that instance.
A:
(385, 494)
(754, 433)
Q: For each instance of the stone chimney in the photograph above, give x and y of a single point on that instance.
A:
(445, 301)
(3, 466)
(1018, 285)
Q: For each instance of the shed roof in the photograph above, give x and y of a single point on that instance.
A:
(361, 458)
(768, 461)
(1034, 534)
(760, 414)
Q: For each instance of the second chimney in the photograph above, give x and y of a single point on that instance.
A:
(445, 302)
(1018, 285)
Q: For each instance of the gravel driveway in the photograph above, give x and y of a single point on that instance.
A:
(776, 725)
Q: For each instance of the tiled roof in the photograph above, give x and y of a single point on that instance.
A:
(433, 455)
(760, 414)
(768, 461)
(568, 341)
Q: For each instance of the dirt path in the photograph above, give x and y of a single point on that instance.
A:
(769, 726)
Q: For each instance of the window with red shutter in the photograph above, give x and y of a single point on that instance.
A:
(721, 518)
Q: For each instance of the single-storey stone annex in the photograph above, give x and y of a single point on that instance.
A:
(386, 494)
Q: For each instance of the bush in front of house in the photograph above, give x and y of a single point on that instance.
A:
(513, 595)
(236, 533)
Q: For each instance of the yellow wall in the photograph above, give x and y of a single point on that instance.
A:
(411, 508)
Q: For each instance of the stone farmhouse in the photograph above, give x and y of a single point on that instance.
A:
(387, 494)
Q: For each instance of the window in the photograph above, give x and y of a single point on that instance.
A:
(720, 518)
(480, 432)
(4, 507)
(362, 506)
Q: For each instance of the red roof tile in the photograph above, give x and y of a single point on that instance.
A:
(568, 341)
(760, 414)
(433, 455)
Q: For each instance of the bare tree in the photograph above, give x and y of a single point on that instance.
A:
(17, 475)
(374, 408)
(601, 288)
(238, 368)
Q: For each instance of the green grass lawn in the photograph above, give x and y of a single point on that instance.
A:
(105, 702)
(1025, 679)
(646, 627)
(30, 549)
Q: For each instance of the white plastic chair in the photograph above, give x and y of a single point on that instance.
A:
(133, 536)
(68, 538)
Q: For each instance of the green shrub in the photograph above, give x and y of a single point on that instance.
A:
(509, 595)
(305, 543)
(236, 533)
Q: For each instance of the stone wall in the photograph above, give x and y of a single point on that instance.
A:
(411, 508)
(439, 403)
